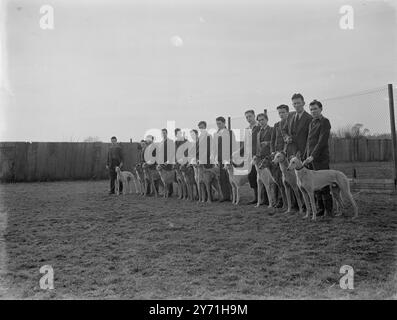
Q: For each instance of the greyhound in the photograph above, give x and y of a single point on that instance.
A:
(137, 184)
(263, 180)
(126, 179)
(142, 179)
(310, 181)
(182, 187)
(236, 181)
(289, 181)
(190, 180)
(277, 177)
(198, 176)
(210, 178)
(153, 178)
(167, 176)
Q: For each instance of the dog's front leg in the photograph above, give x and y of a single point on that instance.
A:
(233, 193)
(195, 191)
(203, 192)
(297, 193)
(237, 194)
(125, 187)
(137, 187)
(208, 189)
(307, 202)
(269, 197)
(287, 190)
(165, 195)
(145, 187)
(260, 190)
(220, 192)
(188, 195)
(198, 185)
(313, 204)
(154, 188)
(180, 190)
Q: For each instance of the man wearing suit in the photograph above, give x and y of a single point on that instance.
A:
(141, 151)
(205, 147)
(254, 130)
(317, 152)
(264, 138)
(179, 140)
(167, 154)
(297, 127)
(114, 159)
(277, 134)
(167, 149)
(222, 152)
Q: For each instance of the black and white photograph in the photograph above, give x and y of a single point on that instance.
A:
(221, 151)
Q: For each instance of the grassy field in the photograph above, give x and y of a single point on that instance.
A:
(133, 247)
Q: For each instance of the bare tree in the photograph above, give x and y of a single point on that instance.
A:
(349, 131)
(92, 139)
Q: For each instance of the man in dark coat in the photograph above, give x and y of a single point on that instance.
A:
(222, 152)
(141, 151)
(167, 154)
(297, 127)
(114, 159)
(205, 145)
(317, 152)
(254, 128)
(264, 138)
(278, 142)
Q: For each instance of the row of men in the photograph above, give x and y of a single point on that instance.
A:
(296, 131)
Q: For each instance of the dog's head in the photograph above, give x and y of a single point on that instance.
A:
(266, 162)
(194, 162)
(228, 167)
(295, 162)
(256, 160)
(117, 169)
(279, 157)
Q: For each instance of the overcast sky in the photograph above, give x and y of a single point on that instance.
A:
(122, 67)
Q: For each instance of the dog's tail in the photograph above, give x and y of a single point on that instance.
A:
(344, 185)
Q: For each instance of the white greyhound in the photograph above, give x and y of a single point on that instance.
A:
(236, 181)
(289, 181)
(311, 180)
(126, 178)
(263, 179)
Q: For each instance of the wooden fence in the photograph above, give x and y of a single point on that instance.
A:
(47, 161)
(360, 150)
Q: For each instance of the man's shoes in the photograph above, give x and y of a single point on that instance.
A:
(110, 192)
(254, 201)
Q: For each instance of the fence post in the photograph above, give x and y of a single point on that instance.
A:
(393, 131)
(229, 126)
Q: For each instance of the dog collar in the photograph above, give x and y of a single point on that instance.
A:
(299, 168)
